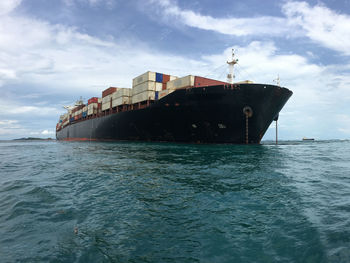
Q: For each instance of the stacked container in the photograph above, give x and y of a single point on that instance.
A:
(107, 98)
(84, 111)
(146, 86)
(92, 107)
(121, 96)
(187, 81)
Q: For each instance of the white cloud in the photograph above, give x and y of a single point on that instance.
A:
(320, 24)
(10, 127)
(60, 57)
(11, 107)
(344, 121)
(108, 3)
(7, 6)
(9, 123)
(264, 25)
(47, 132)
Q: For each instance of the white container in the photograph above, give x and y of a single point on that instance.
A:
(84, 109)
(159, 86)
(172, 78)
(145, 86)
(163, 93)
(146, 95)
(92, 108)
(123, 92)
(107, 99)
(148, 76)
(180, 82)
(121, 101)
(106, 106)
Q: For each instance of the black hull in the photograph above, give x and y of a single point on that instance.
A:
(201, 115)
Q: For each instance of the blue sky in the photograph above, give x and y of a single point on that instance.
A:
(53, 52)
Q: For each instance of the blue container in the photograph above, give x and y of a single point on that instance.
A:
(159, 77)
(84, 114)
(60, 121)
(71, 119)
(156, 95)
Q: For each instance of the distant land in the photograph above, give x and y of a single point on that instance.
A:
(33, 139)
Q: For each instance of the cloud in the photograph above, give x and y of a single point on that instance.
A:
(56, 57)
(320, 24)
(7, 6)
(47, 132)
(264, 25)
(10, 127)
(12, 107)
(108, 3)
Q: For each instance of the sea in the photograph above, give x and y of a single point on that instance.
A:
(167, 202)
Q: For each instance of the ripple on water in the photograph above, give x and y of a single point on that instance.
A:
(154, 202)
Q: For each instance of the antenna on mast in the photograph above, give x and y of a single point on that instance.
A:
(231, 64)
(277, 81)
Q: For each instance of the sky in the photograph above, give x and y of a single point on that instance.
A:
(54, 52)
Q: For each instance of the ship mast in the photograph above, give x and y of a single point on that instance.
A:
(231, 64)
(278, 80)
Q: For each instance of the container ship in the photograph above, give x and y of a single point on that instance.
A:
(164, 108)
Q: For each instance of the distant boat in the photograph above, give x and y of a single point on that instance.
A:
(308, 139)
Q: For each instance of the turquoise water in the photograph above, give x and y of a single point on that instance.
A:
(158, 202)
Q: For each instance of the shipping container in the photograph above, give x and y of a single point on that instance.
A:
(181, 82)
(123, 92)
(149, 85)
(159, 86)
(148, 76)
(106, 106)
(84, 114)
(163, 86)
(166, 78)
(159, 77)
(121, 101)
(92, 109)
(93, 100)
(204, 82)
(173, 78)
(107, 99)
(146, 95)
(163, 93)
(108, 91)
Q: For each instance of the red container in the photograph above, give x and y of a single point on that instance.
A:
(108, 91)
(93, 100)
(203, 82)
(166, 78)
(75, 117)
(163, 86)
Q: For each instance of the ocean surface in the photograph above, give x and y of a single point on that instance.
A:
(162, 202)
